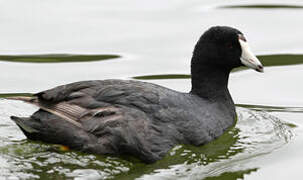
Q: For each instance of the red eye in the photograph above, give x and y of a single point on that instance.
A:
(229, 45)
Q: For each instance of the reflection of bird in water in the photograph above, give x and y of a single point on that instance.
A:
(143, 119)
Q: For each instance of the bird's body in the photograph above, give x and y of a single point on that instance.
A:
(137, 118)
(131, 117)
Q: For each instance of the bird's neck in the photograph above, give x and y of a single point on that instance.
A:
(210, 82)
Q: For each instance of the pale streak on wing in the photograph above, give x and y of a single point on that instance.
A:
(69, 112)
(66, 111)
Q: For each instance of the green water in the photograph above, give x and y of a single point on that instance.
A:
(55, 58)
(265, 6)
(153, 41)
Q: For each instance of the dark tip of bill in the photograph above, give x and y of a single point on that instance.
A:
(260, 68)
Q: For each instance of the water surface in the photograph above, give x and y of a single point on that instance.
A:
(154, 40)
(256, 134)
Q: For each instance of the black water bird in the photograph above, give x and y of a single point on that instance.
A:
(142, 119)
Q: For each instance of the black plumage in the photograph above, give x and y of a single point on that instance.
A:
(138, 118)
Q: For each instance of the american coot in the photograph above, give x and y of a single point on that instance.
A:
(142, 119)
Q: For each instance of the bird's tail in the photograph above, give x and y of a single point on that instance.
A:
(22, 122)
(29, 126)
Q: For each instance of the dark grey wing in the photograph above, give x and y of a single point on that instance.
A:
(117, 112)
(122, 116)
(77, 101)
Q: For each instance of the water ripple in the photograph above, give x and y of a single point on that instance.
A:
(256, 133)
